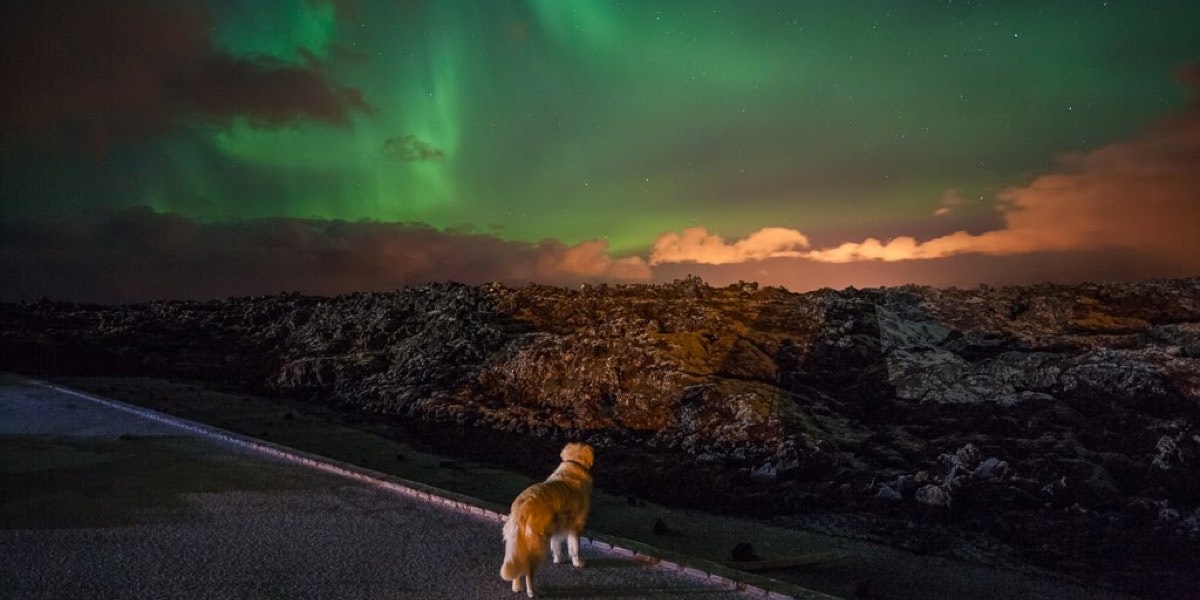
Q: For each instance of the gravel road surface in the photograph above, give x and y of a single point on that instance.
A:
(99, 503)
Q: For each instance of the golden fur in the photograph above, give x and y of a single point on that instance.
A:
(546, 513)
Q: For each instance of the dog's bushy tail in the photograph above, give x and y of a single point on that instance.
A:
(525, 546)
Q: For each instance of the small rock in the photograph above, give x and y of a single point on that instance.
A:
(887, 493)
(1167, 448)
(743, 552)
(1055, 488)
(992, 469)
(660, 528)
(1191, 525)
(1166, 514)
(766, 472)
(934, 495)
(967, 456)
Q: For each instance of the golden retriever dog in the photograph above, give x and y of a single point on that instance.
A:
(546, 513)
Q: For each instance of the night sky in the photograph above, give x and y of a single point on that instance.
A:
(199, 150)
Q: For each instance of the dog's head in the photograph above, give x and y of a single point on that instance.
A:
(580, 453)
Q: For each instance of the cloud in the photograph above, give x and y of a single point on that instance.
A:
(588, 260)
(94, 70)
(697, 245)
(137, 254)
(1140, 196)
(949, 201)
(408, 148)
(963, 270)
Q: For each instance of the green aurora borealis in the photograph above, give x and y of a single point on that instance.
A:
(623, 120)
(579, 120)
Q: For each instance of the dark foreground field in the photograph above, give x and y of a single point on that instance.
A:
(1038, 429)
(495, 467)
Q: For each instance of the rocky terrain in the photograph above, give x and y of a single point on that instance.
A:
(1056, 426)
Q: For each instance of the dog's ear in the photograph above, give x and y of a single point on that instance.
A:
(581, 453)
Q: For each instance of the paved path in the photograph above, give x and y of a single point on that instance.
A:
(99, 503)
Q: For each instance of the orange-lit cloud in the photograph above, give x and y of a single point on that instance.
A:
(949, 201)
(697, 245)
(588, 259)
(1140, 196)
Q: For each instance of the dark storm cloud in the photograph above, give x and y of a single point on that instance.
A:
(98, 69)
(408, 148)
(137, 254)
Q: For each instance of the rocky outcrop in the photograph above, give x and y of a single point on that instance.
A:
(911, 399)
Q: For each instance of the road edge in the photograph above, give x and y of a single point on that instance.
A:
(697, 568)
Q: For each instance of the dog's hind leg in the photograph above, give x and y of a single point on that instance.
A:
(529, 584)
(556, 548)
(573, 548)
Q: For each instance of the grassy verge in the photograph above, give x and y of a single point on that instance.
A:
(310, 428)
